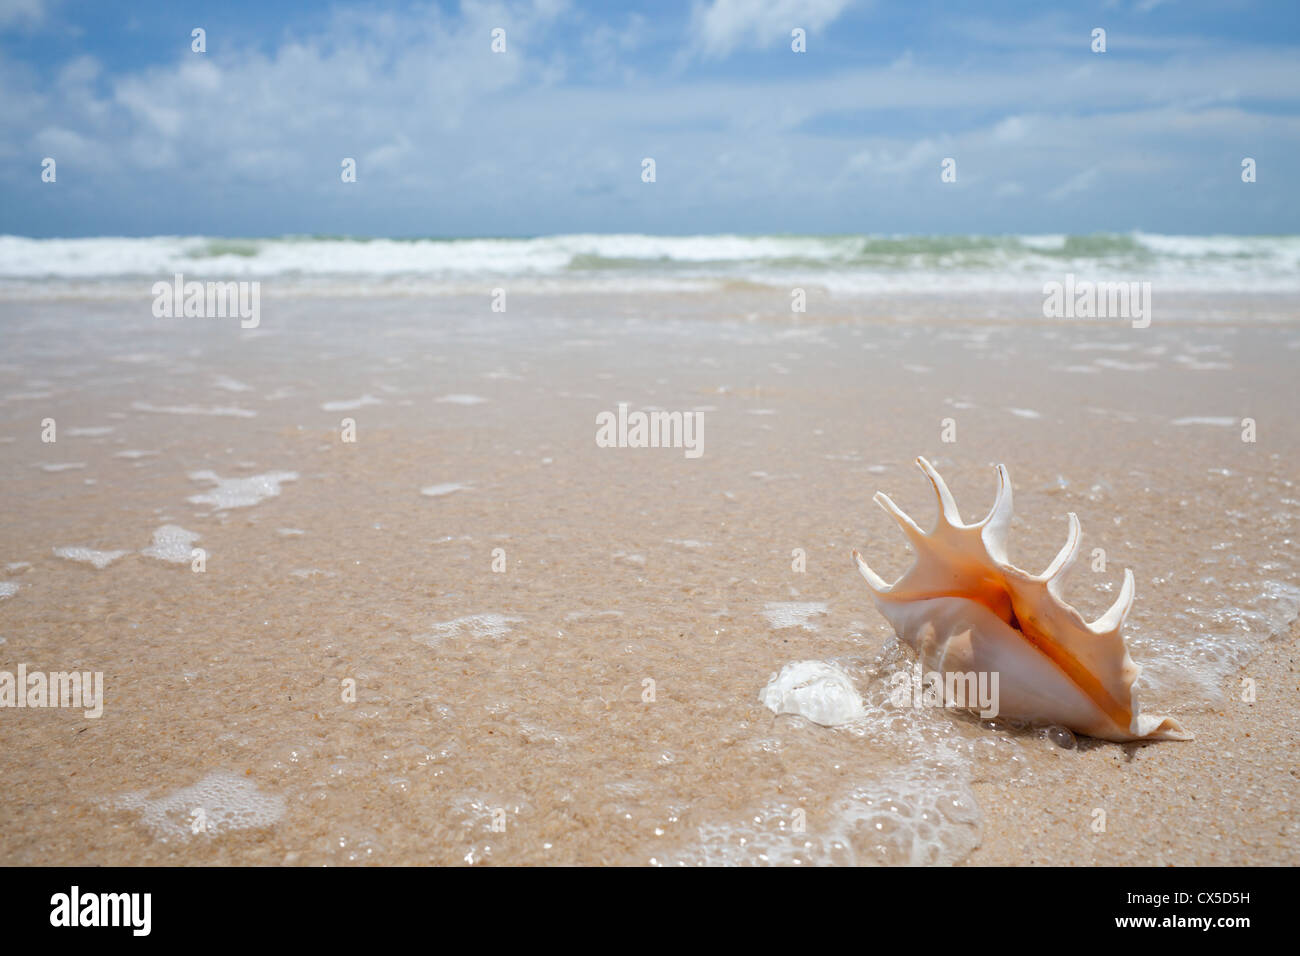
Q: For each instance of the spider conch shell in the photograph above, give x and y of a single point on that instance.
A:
(965, 609)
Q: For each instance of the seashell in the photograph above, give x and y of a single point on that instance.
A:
(965, 609)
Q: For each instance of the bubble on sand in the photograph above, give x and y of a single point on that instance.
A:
(819, 691)
(793, 613)
(66, 466)
(593, 615)
(1024, 413)
(1118, 366)
(904, 817)
(133, 453)
(436, 491)
(462, 399)
(171, 543)
(100, 559)
(1221, 420)
(347, 406)
(221, 411)
(475, 625)
(1197, 365)
(8, 589)
(230, 384)
(219, 803)
(239, 492)
(89, 432)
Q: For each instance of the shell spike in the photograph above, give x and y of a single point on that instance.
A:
(947, 506)
(874, 580)
(1113, 619)
(997, 523)
(914, 534)
(1055, 572)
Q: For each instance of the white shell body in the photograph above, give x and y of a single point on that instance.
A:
(965, 609)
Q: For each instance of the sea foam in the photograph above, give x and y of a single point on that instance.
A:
(239, 492)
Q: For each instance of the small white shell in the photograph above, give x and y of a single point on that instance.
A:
(965, 609)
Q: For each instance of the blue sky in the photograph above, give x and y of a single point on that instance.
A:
(451, 139)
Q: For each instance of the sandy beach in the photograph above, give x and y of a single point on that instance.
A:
(471, 635)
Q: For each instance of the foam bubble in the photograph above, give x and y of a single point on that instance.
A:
(100, 559)
(89, 432)
(133, 453)
(1198, 365)
(217, 410)
(1222, 420)
(346, 406)
(8, 589)
(239, 492)
(1024, 412)
(461, 399)
(475, 625)
(66, 466)
(171, 543)
(593, 615)
(816, 690)
(219, 803)
(1118, 366)
(903, 817)
(436, 491)
(793, 613)
(230, 384)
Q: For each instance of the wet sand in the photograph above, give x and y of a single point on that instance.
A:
(505, 716)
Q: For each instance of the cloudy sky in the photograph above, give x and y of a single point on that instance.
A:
(452, 139)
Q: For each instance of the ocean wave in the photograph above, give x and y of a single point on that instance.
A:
(850, 263)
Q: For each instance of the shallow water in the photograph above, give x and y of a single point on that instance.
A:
(561, 661)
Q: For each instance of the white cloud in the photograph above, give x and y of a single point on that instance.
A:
(1010, 129)
(22, 13)
(451, 138)
(1080, 182)
(720, 27)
